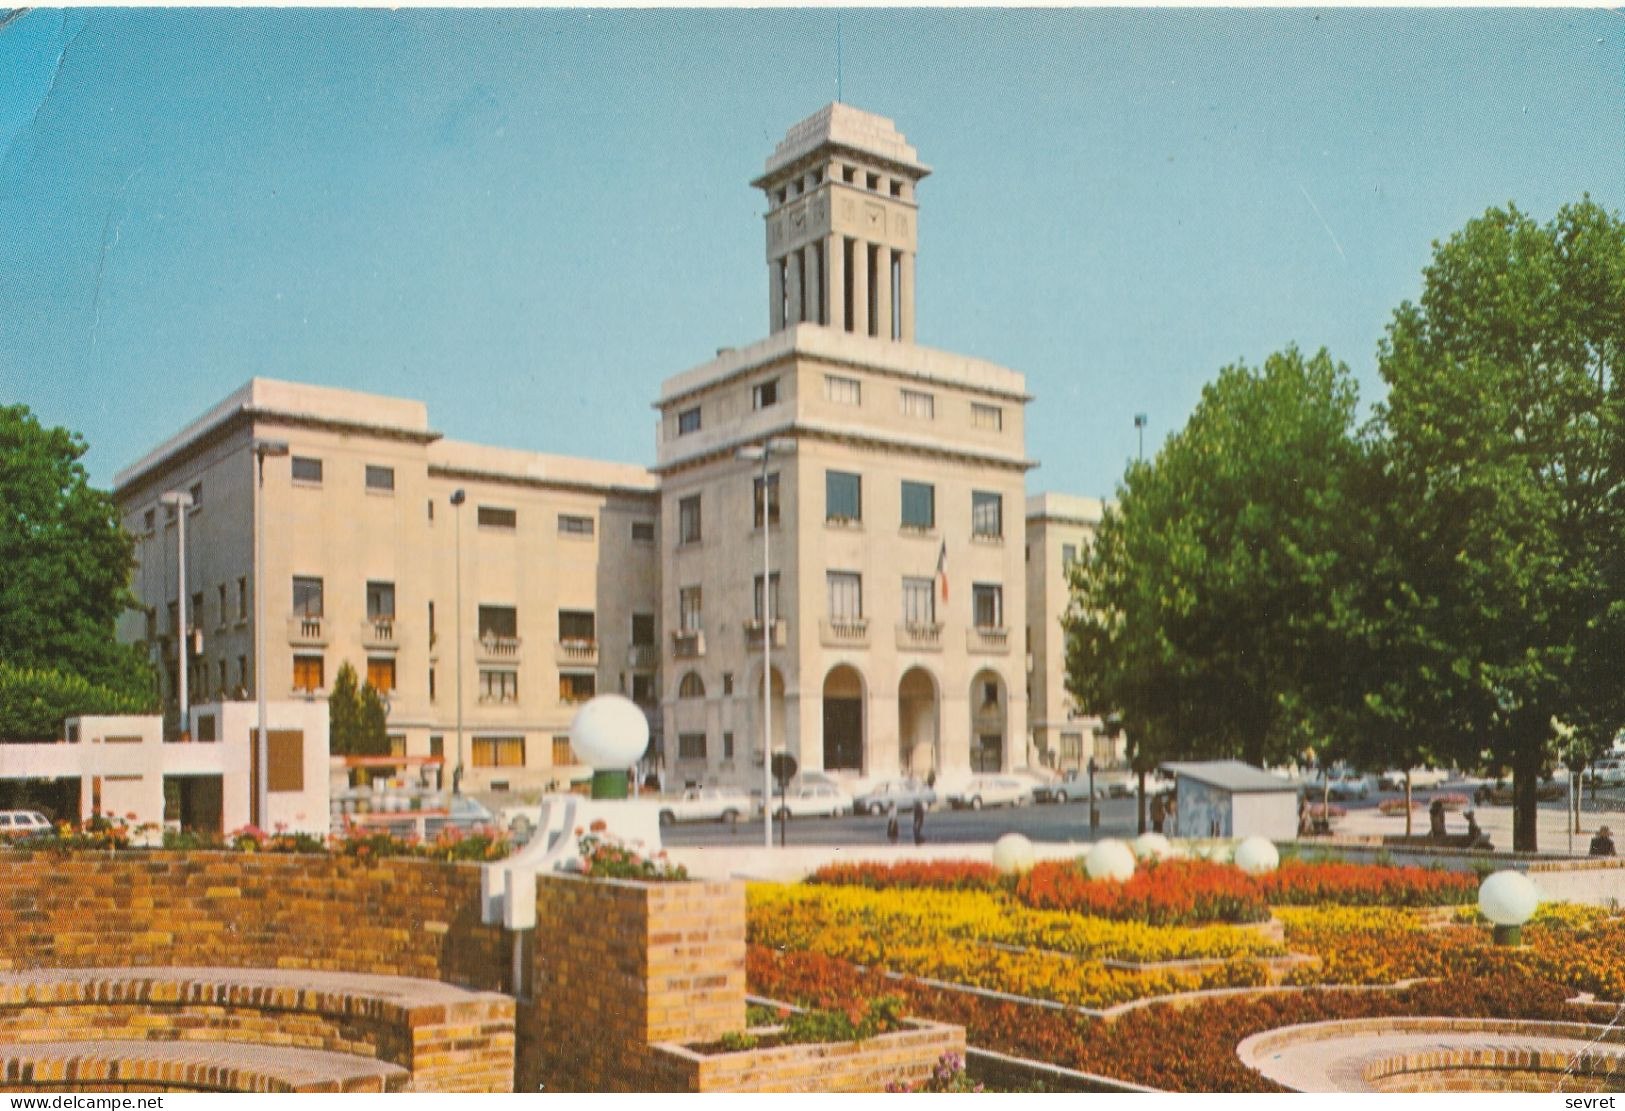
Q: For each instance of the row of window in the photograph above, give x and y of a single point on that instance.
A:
(919, 404)
(845, 596)
(851, 175)
(496, 684)
(843, 504)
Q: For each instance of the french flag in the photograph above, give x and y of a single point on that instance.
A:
(942, 570)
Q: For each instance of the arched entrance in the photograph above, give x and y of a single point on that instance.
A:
(917, 733)
(781, 739)
(843, 719)
(989, 704)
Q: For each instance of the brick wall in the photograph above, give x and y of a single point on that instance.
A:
(905, 1056)
(397, 917)
(623, 965)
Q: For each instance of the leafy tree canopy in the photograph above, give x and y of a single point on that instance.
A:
(356, 717)
(65, 562)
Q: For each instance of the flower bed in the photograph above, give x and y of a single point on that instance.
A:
(1192, 1049)
(938, 875)
(1171, 893)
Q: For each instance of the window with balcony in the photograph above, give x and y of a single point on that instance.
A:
(843, 497)
(498, 752)
(919, 505)
(577, 686)
(843, 391)
(496, 517)
(689, 609)
(577, 627)
(307, 673)
(773, 596)
(381, 673)
(919, 602)
(764, 394)
(563, 755)
(307, 596)
(688, 520)
(573, 525)
(643, 630)
(688, 421)
(380, 601)
(691, 746)
(691, 686)
(918, 404)
(990, 417)
(501, 622)
(987, 605)
(381, 479)
(307, 470)
(986, 514)
(772, 499)
(499, 684)
(845, 595)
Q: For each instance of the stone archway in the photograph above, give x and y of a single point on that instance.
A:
(989, 721)
(843, 719)
(919, 751)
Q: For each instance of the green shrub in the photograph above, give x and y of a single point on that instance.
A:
(35, 701)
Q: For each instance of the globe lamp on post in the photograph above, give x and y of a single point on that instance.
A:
(1508, 899)
(609, 734)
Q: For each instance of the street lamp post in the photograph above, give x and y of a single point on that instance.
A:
(262, 757)
(458, 497)
(751, 454)
(180, 502)
(1139, 428)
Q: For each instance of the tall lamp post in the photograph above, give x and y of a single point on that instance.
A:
(1139, 428)
(180, 502)
(752, 454)
(263, 449)
(458, 497)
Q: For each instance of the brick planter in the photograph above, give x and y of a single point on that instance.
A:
(903, 1056)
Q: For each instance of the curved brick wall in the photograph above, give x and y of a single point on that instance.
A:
(392, 917)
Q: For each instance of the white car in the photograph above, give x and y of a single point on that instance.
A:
(1422, 779)
(708, 804)
(1607, 773)
(812, 800)
(22, 824)
(991, 790)
(1125, 785)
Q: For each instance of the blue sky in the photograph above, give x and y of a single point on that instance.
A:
(527, 219)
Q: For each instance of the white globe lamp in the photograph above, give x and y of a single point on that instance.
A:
(1013, 855)
(1257, 855)
(1109, 860)
(1508, 899)
(609, 734)
(1152, 846)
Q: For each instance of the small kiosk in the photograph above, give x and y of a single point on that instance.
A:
(1227, 798)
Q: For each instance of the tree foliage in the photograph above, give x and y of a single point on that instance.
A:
(34, 702)
(1502, 431)
(1197, 610)
(356, 717)
(65, 562)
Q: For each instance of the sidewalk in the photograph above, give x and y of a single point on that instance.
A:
(1496, 821)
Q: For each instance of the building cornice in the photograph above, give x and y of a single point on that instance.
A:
(246, 416)
(851, 437)
(564, 485)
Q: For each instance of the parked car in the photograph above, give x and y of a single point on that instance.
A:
(708, 804)
(990, 790)
(1124, 785)
(1073, 785)
(1609, 772)
(21, 825)
(1422, 779)
(1499, 793)
(812, 800)
(462, 813)
(904, 792)
(1345, 783)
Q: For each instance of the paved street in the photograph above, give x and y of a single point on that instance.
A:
(1070, 822)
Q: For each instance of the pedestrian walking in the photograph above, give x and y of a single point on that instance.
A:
(919, 822)
(1158, 813)
(891, 821)
(1603, 843)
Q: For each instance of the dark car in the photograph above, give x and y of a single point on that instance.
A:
(1500, 792)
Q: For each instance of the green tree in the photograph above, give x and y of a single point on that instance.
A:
(35, 702)
(1198, 612)
(355, 717)
(1502, 438)
(65, 562)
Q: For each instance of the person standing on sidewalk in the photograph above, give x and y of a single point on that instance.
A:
(919, 821)
(891, 821)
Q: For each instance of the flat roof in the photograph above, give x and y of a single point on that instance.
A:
(1232, 775)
